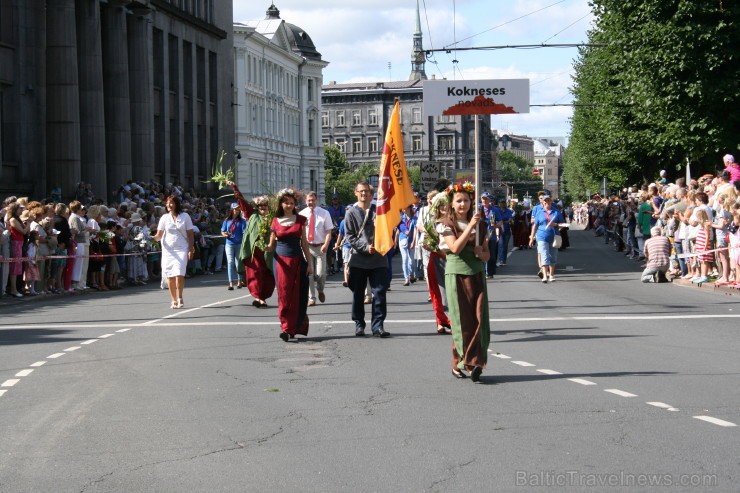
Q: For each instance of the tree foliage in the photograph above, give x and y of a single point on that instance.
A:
(344, 182)
(659, 85)
(514, 168)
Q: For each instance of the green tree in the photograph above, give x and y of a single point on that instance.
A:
(514, 168)
(335, 160)
(344, 182)
(658, 86)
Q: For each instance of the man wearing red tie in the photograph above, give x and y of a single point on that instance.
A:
(318, 232)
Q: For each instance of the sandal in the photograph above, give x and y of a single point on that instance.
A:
(256, 303)
(173, 305)
(458, 373)
(443, 329)
(231, 288)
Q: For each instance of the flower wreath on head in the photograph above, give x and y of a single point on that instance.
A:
(286, 191)
(457, 187)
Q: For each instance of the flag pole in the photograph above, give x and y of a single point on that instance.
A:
(477, 173)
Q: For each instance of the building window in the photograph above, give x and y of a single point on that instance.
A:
(549, 171)
(417, 115)
(416, 142)
(325, 142)
(324, 119)
(356, 118)
(310, 89)
(341, 144)
(311, 132)
(372, 143)
(446, 119)
(444, 142)
(340, 118)
(356, 145)
(372, 117)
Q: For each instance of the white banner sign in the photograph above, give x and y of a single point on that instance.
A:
(429, 175)
(476, 97)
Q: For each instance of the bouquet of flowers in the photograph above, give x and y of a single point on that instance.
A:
(263, 238)
(105, 237)
(218, 175)
(431, 238)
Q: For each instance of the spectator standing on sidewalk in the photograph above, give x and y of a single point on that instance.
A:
(18, 232)
(233, 229)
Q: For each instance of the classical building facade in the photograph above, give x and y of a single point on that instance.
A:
(111, 90)
(354, 117)
(277, 93)
(548, 159)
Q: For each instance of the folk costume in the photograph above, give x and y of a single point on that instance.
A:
(291, 277)
(257, 262)
(467, 298)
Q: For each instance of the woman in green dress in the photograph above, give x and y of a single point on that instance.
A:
(465, 282)
(257, 262)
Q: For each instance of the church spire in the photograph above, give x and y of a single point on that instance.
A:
(418, 56)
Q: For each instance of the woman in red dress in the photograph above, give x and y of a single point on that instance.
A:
(288, 241)
(257, 263)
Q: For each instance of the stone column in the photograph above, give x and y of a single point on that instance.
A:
(92, 106)
(63, 98)
(117, 93)
(141, 78)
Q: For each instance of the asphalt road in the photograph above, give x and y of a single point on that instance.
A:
(595, 382)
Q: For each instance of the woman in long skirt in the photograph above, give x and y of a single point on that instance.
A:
(257, 262)
(288, 241)
(467, 296)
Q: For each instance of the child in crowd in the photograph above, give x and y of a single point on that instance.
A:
(58, 265)
(31, 270)
(703, 245)
(733, 233)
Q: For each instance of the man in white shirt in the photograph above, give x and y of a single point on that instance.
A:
(318, 232)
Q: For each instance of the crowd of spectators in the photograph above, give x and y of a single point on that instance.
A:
(90, 244)
(699, 218)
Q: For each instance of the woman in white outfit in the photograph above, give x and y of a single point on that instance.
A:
(175, 231)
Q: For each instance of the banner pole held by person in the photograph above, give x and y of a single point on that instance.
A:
(394, 185)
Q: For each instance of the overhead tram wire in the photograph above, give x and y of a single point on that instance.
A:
(520, 47)
(500, 25)
(431, 43)
(567, 27)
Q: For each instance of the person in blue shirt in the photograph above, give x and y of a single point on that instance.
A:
(407, 244)
(507, 214)
(233, 229)
(492, 217)
(545, 226)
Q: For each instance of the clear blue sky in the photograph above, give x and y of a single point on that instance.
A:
(359, 38)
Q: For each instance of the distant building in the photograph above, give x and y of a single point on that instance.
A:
(277, 93)
(521, 145)
(107, 91)
(355, 117)
(548, 159)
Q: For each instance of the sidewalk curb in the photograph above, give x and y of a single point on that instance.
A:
(728, 291)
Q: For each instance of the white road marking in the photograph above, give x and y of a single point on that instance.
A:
(2, 392)
(123, 330)
(89, 341)
(582, 381)
(522, 363)
(38, 363)
(663, 405)
(715, 421)
(10, 383)
(180, 312)
(621, 393)
(73, 348)
(23, 373)
(157, 322)
(55, 356)
(502, 356)
(549, 372)
(105, 336)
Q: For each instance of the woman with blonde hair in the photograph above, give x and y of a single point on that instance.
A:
(257, 262)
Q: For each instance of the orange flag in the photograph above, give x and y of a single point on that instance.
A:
(394, 186)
